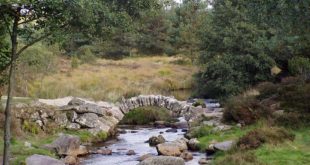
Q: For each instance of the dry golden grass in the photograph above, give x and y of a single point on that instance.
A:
(110, 80)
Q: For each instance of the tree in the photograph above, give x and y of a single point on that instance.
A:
(234, 55)
(4, 57)
(249, 38)
(188, 21)
(31, 21)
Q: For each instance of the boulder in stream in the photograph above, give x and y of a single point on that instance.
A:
(186, 156)
(143, 157)
(154, 140)
(163, 160)
(193, 144)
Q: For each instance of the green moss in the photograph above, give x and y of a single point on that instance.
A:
(146, 115)
(87, 137)
(200, 102)
(102, 136)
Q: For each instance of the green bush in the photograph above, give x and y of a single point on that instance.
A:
(245, 110)
(293, 120)
(231, 74)
(267, 89)
(299, 66)
(201, 131)
(259, 136)
(74, 62)
(146, 115)
(295, 97)
(86, 55)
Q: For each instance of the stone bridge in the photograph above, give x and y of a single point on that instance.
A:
(178, 108)
(76, 113)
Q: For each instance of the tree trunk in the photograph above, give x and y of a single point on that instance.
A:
(7, 124)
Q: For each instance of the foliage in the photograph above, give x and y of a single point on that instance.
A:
(199, 102)
(257, 137)
(146, 115)
(31, 127)
(289, 152)
(87, 137)
(86, 55)
(4, 56)
(299, 66)
(201, 131)
(74, 62)
(245, 110)
(246, 39)
(153, 33)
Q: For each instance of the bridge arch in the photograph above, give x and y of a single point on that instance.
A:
(178, 108)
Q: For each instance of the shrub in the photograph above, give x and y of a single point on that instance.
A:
(257, 137)
(86, 55)
(231, 74)
(245, 110)
(31, 127)
(299, 66)
(146, 115)
(74, 62)
(201, 131)
(295, 97)
(293, 120)
(267, 89)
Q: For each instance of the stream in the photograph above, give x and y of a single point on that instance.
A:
(134, 139)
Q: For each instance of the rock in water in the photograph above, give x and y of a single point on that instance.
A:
(163, 160)
(131, 152)
(187, 156)
(42, 160)
(154, 140)
(70, 160)
(143, 157)
(203, 161)
(168, 149)
(104, 151)
(193, 144)
(172, 130)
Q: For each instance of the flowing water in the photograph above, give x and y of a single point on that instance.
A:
(135, 139)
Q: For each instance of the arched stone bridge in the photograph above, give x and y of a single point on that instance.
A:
(75, 113)
(178, 108)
